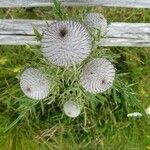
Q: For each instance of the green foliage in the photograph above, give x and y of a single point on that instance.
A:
(37, 34)
(26, 124)
(58, 10)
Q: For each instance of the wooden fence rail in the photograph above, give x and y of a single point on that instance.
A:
(20, 32)
(108, 3)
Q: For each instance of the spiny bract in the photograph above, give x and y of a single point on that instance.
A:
(65, 43)
(98, 75)
(34, 84)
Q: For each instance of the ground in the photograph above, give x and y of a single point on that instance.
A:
(103, 123)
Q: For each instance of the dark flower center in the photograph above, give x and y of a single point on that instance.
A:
(28, 89)
(63, 32)
(103, 81)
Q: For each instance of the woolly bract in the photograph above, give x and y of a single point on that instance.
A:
(34, 84)
(65, 43)
(98, 75)
(72, 109)
(96, 20)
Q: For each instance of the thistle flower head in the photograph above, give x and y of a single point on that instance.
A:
(65, 43)
(96, 20)
(72, 109)
(34, 84)
(98, 75)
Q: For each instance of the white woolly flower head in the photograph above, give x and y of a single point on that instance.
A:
(98, 75)
(34, 84)
(147, 110)
(96, 20)
(72, 109)
(134, 114)
(65, 43)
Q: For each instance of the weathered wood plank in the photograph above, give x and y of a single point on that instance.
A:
(24, 27)
(123, 42)
(127, 34)
(112, 3)
(18, 40)
(20, 32)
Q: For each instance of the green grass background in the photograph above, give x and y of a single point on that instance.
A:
(103, 124)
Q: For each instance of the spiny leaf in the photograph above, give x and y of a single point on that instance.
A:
(37, 34)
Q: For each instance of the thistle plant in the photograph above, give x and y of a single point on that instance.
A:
(68, 43)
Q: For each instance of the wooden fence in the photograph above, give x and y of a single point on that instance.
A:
(20, 32)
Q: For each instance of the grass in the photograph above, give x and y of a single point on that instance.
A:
(103, 124)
